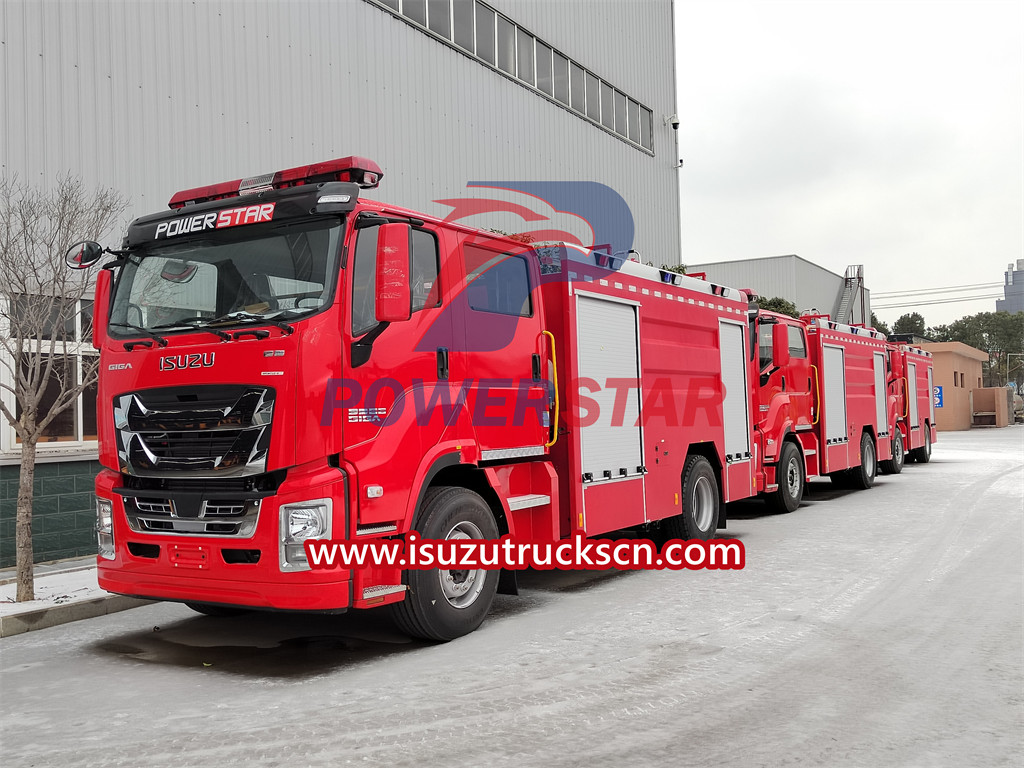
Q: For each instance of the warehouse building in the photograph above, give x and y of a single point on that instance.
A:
(457, 100)
(844, 297)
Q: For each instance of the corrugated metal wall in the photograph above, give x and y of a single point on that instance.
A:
(153, 97)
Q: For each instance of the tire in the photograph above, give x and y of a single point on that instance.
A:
(894, 465)
(441, 604)
(790, 477)
(923, 454)
(699, 518)
(863, 477)
(220, 611)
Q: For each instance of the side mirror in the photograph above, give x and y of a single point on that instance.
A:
(83, 255)
(780, 345)
(393, 302)
(897, 364)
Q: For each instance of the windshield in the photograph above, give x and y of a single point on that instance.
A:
(260, 273)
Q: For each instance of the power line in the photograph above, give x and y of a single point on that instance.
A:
(919, 291)
(937, 301)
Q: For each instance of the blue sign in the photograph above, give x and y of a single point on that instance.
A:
(937, 396)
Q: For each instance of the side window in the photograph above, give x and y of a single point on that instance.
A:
(764, 345)
(497, 282)
(797, 346)
(364, 281)
(425, 288)
(423, 269)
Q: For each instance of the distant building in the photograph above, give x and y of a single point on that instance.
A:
(800, 281)
(1013, 289)
(957, 373)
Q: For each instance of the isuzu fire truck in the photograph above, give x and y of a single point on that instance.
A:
(911, 386)
(283, 359)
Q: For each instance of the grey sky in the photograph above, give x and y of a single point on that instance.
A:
(884, 134)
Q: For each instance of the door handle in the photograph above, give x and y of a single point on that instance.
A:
(442, 363)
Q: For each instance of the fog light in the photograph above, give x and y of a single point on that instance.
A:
(105, 528)
(299, 522)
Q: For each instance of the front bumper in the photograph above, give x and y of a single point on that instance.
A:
(229, 570)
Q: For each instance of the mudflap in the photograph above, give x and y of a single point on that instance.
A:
(508, 582)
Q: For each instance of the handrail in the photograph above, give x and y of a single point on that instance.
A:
(817, 396)
(906, 398)
(554, 370)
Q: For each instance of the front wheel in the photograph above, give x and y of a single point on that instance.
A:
(444, 604)
(699, 518)
(894, 465)
(789, 476)
(863, 477)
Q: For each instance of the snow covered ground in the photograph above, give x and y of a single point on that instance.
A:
(60, 588)
(871, 628)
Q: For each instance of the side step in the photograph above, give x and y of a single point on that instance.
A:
(528, 501)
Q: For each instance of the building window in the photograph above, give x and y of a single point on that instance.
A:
(561, 66)
(506, 45)
(440, 17)
(71, 358)
(485, 33)
(578, 87)
(463, 23)
(476, 28)
(544, 82)
(526, 56)
(416, 10)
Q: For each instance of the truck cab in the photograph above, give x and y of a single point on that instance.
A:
(783, 407)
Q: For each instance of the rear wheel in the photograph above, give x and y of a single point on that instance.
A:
(790, 478)
(863, 477)
(444, 604)
(924, 454)
(699, 518)
(894, 465)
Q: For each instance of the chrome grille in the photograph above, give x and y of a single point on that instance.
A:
(212, 431)
(219, 517)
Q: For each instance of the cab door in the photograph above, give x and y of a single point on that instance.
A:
(501, 354)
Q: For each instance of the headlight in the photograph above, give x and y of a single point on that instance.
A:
(299, 522)
(105, 528)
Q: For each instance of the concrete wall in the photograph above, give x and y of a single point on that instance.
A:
(992, 407)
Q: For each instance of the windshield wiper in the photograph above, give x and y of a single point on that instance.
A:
(242, 316)
(129, 346)
(196, 324)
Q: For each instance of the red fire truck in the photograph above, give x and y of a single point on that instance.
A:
(283, 359)
(912, 387)
(823, 405)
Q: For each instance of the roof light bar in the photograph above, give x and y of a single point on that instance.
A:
(358, 170)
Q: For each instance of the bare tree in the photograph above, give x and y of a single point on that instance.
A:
(39, 301)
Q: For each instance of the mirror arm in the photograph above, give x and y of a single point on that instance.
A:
(361, 348)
